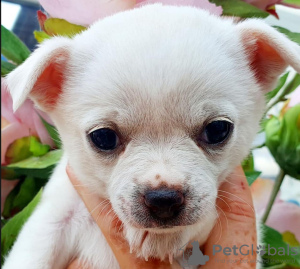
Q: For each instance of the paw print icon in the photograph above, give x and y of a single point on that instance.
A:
(261, 250)
(195, 256)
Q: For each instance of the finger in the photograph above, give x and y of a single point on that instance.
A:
(236, 225)
(77, 265)
(99, 208)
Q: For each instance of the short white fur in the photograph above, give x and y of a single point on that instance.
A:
(156, 72)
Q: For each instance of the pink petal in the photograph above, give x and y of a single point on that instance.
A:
(261, 191)
(6, 103)
(27, 114)
(203, 4)
(263, 4)
(285, 217)
(295, 98)
(85, 13)
(9, 134)
(41, 130)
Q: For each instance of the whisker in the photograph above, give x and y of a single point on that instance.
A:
(234, 203)
(240, 199)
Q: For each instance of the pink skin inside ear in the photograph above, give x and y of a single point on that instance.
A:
(48, 86)
(265, 61)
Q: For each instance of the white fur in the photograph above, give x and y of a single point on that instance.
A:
(157, 72)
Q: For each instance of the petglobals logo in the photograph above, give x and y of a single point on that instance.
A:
(261, 250)
(194, 256)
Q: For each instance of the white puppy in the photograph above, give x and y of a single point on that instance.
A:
(155, 107)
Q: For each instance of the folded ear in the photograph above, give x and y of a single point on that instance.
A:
(42, 75)
(269, 51)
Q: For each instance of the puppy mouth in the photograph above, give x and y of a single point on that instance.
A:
(162, 217)
(141, 218)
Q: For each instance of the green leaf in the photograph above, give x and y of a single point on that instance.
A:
(40, 36)
(291, 35)
(240, 8)
(248, 163)
(61, 27)
(12, 47)
(263, 124)
(52, 132)
(273, 239)
(18, 150)
(6, 67)
(21, 195)
(12, 228)
(8, 204)
(37, 167)
(280, 83)
(293, 85)
(37, 148)
(292, 2)
(16, 173)
(252, 176)
(283, 140)
(290, 239)
(44, 161)
(248, 167)
(3, 222)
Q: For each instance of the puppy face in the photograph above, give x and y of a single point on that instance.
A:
(155, 108)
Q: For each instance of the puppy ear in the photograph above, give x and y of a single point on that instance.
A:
(41, 76)
(269, 51)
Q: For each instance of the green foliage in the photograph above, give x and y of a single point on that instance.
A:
(6, 67)
(36, 148)
(283, 140)
(240, 8)
(252, 176)
(12, 228)
(21, 195)
(40, 36)
(12, 47)
(24, 148)
(293, 84)
(36, 167)
(292, 2)
(248, 167)
(275, 240)
(280, 84)
(52, 132)
(291, 35)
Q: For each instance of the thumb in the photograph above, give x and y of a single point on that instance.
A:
(236, 225)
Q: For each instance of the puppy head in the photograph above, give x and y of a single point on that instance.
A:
(155, 107)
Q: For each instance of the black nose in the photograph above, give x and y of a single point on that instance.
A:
(164, 203)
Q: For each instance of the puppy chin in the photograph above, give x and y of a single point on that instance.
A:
(166, 244)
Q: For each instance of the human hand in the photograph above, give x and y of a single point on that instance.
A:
(235, 226)
(111, 228)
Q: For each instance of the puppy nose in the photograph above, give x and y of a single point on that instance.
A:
(164, 203)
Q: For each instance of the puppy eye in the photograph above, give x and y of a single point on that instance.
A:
(105, 139)
(216, 132)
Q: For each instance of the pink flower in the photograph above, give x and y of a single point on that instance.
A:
(203, 4)
(284, 216)
(85, 13)
(295, 98)
(24, 122)
(263, 4)
(269, 5)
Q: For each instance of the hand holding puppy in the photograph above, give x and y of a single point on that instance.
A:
(236, 225)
